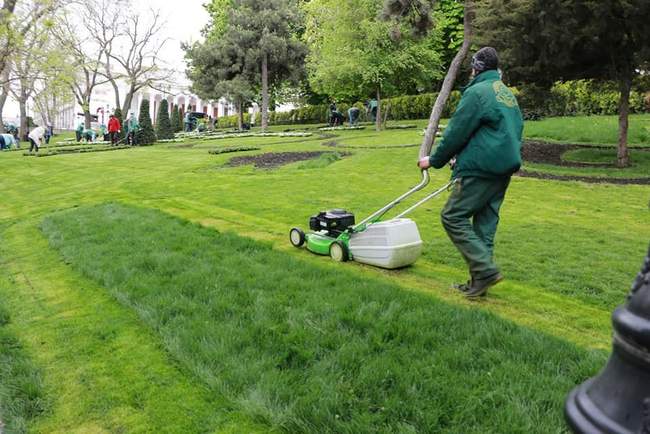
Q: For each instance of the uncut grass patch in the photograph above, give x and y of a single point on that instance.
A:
(602, 130)
(21, 392)
(309, 348)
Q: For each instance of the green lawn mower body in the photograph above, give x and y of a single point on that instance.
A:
(393, 243)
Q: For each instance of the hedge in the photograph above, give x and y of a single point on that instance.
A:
(580, 97)
(399, 108)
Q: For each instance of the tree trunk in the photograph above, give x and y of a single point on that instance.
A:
(378, 118)
(128, 100)
(623, 121)
(448, 84)
(240, 118)
(265, 92)
(87, 117)
(22, 104)
(3, 100)
(117, 93)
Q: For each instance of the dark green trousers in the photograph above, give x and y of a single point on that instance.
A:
(470, 218)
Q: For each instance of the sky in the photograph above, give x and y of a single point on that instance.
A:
(184, 18)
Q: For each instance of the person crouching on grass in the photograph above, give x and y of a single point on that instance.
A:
(484, 137)
(36, 137)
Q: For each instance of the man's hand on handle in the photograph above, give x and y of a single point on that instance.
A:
(424, 163)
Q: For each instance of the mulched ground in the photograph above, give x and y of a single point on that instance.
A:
(551, 153)
(587, 179)
(271, 160)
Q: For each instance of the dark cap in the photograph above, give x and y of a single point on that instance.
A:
(485, 59)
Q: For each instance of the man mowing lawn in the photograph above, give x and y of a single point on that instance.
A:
(484, 137)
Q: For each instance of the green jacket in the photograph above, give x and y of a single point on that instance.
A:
(132, 125)
(485, 131)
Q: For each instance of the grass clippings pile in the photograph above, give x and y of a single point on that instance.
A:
(306, 348)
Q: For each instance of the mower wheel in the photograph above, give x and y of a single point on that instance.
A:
(296, 237)
(339, 252)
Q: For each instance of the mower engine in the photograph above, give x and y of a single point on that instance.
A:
(334, 221)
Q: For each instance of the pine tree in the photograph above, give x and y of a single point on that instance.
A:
(257, 49)
(118, 115)
(566, 40)
(180, 125)
(176, 121)
(163, 125)
(146, 134)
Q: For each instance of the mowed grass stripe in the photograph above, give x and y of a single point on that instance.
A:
(304, 348)
(102, 371)
(21, 390)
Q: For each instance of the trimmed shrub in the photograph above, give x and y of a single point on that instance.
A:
(163, 124)
(232, 121)
(146, 134)
(118, 115)
(176, 121)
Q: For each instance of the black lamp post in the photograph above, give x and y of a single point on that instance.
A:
(618, 399)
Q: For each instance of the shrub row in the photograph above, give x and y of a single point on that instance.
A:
(399, 108)
(580, 97)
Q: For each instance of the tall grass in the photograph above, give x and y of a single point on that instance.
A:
(21, 393)
(304, 348)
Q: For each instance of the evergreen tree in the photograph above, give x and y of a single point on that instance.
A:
(163, 124)
(118, 115)
(175, 121)
(217, 69)
(258, 44)
(146, 134)
(541, 41)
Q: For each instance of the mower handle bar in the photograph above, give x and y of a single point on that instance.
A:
(379, 213)
(425, 181)
(429, 197)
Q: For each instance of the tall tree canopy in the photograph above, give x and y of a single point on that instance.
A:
(542, 41)
(257, 46)
(355, 53)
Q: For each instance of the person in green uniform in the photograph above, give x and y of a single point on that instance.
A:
(79, 131)
(89, 135)
(132, 128)
(483, 143)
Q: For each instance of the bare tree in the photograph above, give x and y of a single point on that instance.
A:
(106, 26)
(139, 56)
(86, 53)
(28, 63)
(17, 19)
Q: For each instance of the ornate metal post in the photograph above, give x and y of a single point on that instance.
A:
(618, 399)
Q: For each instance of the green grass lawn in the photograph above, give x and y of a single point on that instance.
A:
(590, 130)
(21, 391)
(98, 325)
(303, 348)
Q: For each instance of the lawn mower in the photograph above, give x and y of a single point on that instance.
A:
(393, 243)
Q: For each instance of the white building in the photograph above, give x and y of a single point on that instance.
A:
(102, 104)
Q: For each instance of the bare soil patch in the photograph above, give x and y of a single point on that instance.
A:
(588, 179)
(272, 160)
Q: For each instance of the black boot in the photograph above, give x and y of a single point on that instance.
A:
(479, 287)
